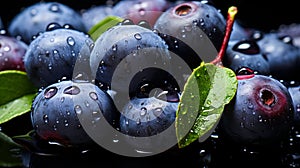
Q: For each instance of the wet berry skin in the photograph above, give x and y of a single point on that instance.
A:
(35, 19)
(12, 53)
(295, 94)
(282, 55)
(195, 24)
(57, 109)
(141, 10)
(124, 50)
(260, 115)
(246, 53)
(151, 119)
(52, 56)
(144, 117)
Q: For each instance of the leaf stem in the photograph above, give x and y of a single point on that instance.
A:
(232, 11)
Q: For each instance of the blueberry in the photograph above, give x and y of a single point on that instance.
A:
(139, 10)
(126, 49)
(282, 55)
(260, 114)
(291, 30)
(246, 53)
(52, 56)
(144, 117)
(148, 83)
(56, 111)
(295, 94)
(12, 52)
(193, 30)
(95, 14)
(35, 18)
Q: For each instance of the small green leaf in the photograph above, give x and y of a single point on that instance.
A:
(14, 84)
(208, 89)
(103, 25)
(16, 108)
(10, 155)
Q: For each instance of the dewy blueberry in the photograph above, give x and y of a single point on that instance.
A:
(52, 55)
(261, 114)
(12, 53)
(34, 19)
(57, 110)
(193, 29)
(246, 54)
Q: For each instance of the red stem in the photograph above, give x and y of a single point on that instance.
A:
(232, 11)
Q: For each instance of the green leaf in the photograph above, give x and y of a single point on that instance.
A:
(14, 84)
(208, 89)
(103, 25)
(10, 155)
(16, 108)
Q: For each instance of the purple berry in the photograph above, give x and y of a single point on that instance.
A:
(35, 18)
(52, 56)
(56, 110)
(261, 113)
(12, 52)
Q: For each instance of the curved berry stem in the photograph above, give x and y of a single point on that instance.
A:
(232, 11)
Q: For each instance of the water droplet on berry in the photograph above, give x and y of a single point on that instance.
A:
(72, 90)
(250, 106)
(142, 12)
(127, 22)
(287, 39)
(145, 24)
(71, 41)
(50, 92)
(66, 123)
(6, 48)
(45, 118)
(143, 111)
(114, 47)
(53, 26)
(249, 47)
(157, 112)
(78, 109)
(93, 96)
(87, 104)
(137, 36)
(298, 107)
(54, 127)
(96, 116)
(54, 8)
(68, 113)
(257, 35)
(33, 12)
(138, 122)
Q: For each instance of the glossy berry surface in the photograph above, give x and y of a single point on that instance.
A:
(12, 52)
(141, 10)
(261, 114)
(52, 56)
(56, 110)
(193, 29)
(36, 17)
(295, 94)
(143, 117)
(124, 50)
(95, 14)
(282, 55)
(246, 53)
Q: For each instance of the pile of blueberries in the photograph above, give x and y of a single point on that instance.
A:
(76, 76)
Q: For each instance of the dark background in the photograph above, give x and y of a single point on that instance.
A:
(264, 15)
